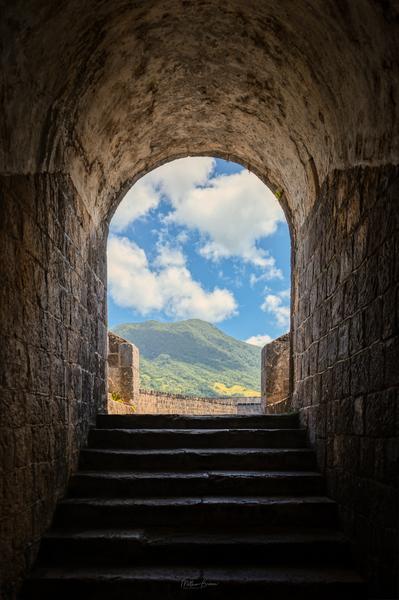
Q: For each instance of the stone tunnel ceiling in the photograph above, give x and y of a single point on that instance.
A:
(292, 90)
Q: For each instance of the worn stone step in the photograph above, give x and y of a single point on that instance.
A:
(169, 483)
(170, 583)
(198, 459)
(283, 421)
(182, 511)
(159, 546)
(197, 438)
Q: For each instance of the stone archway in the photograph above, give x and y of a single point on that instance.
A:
(303, 94)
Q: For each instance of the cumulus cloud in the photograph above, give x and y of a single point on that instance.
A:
(173, 180)
(167, 287)
(232, 212)
(278, 306)
(259, 340)
(178, 178)
(139, 200)
(272, 272)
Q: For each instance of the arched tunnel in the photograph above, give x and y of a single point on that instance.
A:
(305, 94)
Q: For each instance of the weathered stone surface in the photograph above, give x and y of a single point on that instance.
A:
(123, 369)
(220, 518)
(152, 402)
(359, 439)
(275, 374)
(50, 389)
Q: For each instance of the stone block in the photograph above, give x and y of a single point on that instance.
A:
(356, 333)
(275, 363)
(358, 416)
(343, 340)
(390, 320)
(113, 361)
(381, 414)
(376, 367)
(360, 244)
(126, 355)
(392, 362)
(359, 373)
(350, 296)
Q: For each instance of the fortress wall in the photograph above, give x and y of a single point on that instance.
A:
(152, 402)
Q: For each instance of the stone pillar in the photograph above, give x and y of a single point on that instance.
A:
(275, 374)
(123, 369)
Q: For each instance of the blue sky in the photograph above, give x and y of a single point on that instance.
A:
(201, 238)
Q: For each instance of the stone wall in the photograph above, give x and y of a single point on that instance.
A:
(123, 368)
(346, 343)
(152, 402)
(275, 374)
(119, 408)
(282, 406)
(52, 339)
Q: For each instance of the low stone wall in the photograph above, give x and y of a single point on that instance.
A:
(275, 375)
(119, 408)
(152, 402)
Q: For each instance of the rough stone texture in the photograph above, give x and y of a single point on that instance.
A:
(346, 340)
(151, 402)
(281, 407)
(98, 93)
(119, 408)
(53, 332)
(275, 373)
(108, 90)
(123, 368)
(136, 533)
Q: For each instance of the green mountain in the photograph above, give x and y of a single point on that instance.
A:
(193, 357)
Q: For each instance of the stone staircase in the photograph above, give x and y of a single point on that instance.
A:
(223, 507)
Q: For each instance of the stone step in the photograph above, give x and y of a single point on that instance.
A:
(171, 583)
(283, 421)
(276, 511)
(191, 459)
(115, 547)
(197, 438)
(169, 483)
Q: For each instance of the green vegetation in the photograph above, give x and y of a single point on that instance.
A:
(193, 357)
(116, 397)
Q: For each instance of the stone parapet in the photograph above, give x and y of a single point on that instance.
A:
(123, 369)
(275, 375)
(153, 402)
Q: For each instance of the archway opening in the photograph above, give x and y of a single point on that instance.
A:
(199, 282)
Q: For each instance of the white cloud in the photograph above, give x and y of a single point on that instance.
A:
(178, 178)
(169, 287)
(272, 272)
(174, 180)
(169, 257)
(259, 340)
(274, 304)
(182, 237)
(232, 212)
(138, 201)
